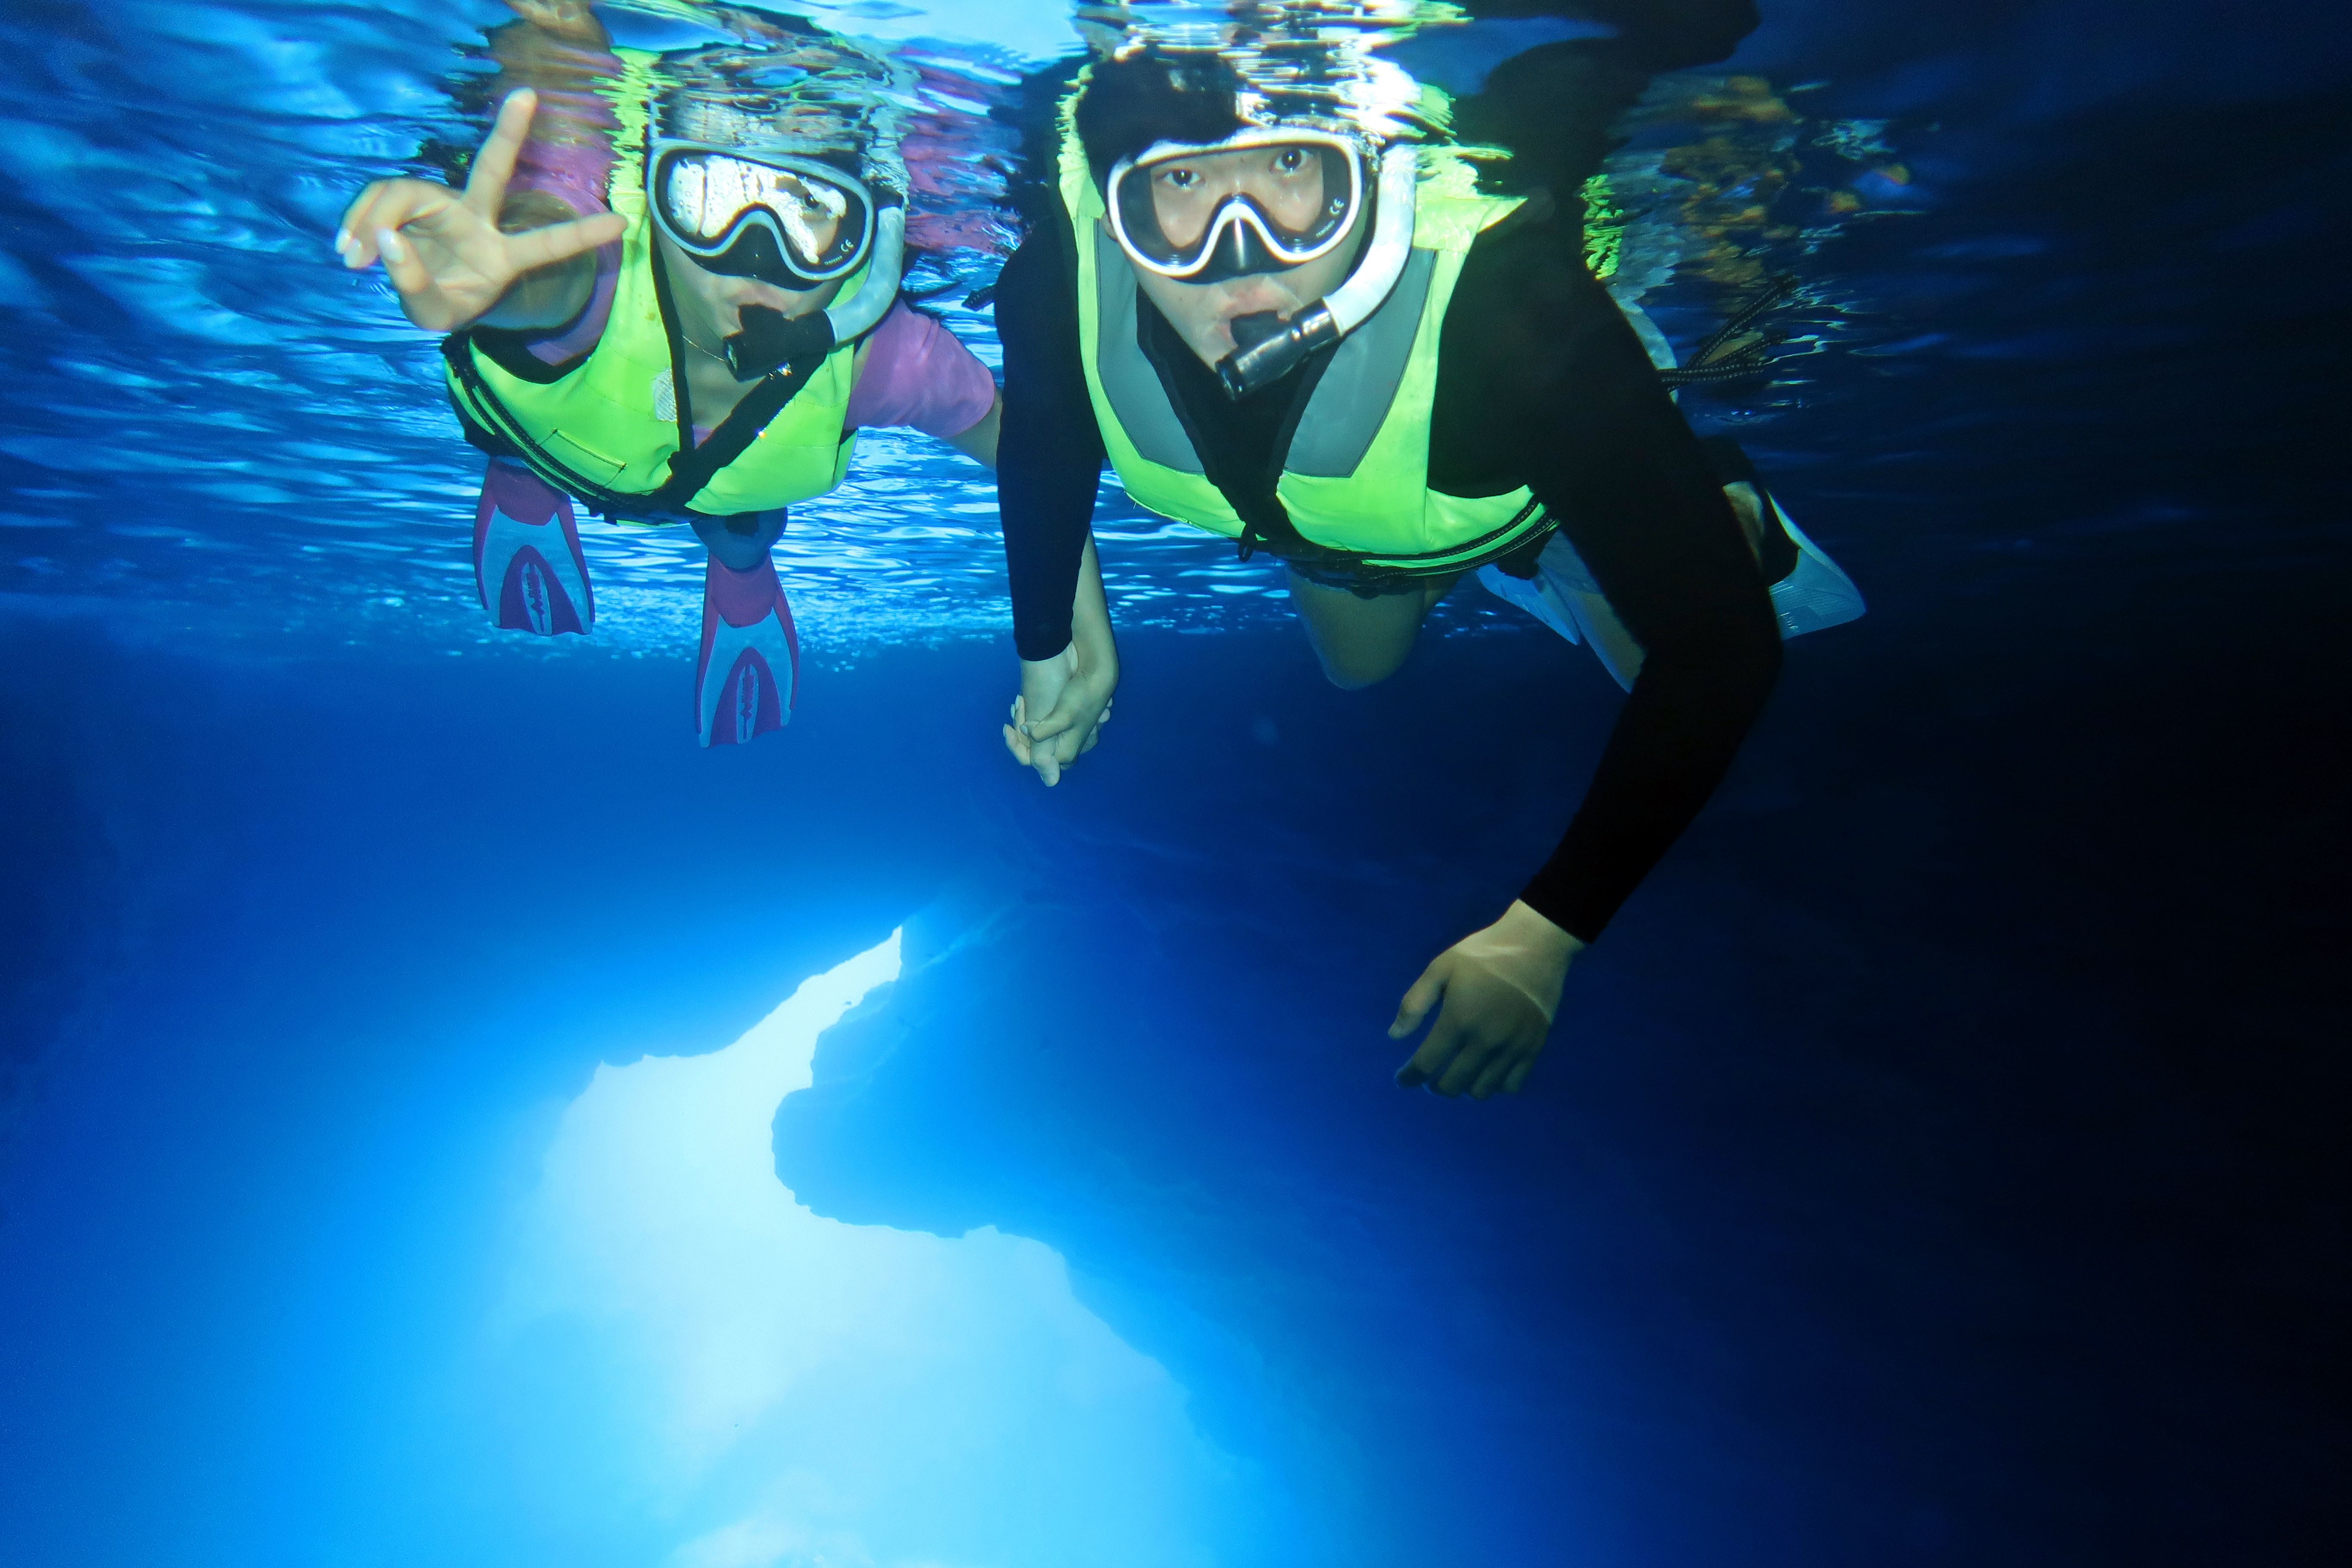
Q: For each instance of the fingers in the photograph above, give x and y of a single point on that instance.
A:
(1428, 1064)
(1465, 1058)
(383, 207)
(485, 186)
(1052, 743)
(1064, 747)
(1494, 1075)
(1055, 720)
(1074, 708)
(1094, 736)
(1475, 1053)
(354, 224)
(1427, 992)
(1471, 1054)
(1419, 1000)
(1029, 755)
(560, 242)
(1094, 733)
(1464, 1051)
(401, 263)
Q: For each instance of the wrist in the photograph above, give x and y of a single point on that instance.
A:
(1523, 924)
(1040, 639)
(1049, 660)
(1090, 635)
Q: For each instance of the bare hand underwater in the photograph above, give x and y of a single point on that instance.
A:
(457, 264)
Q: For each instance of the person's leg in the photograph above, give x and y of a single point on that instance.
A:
(740, 542)
(748, 673)
(1362, 642)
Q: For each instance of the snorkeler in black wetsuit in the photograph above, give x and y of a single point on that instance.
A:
(1542, 390)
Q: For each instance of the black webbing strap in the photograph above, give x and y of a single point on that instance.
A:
(690, 467)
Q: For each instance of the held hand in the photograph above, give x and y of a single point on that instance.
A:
(444, 249)
(1064, 701)
(1500, 987)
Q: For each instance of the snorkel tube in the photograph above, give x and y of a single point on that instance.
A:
(770, 339)
(1266, 347)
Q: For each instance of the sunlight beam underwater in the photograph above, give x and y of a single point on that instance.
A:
(775, 1387)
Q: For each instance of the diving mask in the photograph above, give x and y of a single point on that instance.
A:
(1262, 200)
(790, 221)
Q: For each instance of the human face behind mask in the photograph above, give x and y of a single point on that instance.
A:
(713, 303)
(1203, 313)
(775, 231)
(1267, 221)
(789, 220)
(1293, 193)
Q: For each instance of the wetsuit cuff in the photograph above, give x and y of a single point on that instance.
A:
(1571, 909)
(1037, 643)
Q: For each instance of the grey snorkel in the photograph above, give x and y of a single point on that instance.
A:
(1267, 348)
(770, 339)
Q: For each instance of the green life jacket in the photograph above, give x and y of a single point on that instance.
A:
(612, 430)
(1355, 475)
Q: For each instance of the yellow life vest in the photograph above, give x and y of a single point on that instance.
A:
(606, 430)
(1355, 477)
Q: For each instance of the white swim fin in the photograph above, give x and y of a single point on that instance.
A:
(1815, 596)
(1818, 593)
(1561, 595)
(1533, 596)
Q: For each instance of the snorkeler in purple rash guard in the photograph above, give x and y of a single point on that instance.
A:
(705, 359)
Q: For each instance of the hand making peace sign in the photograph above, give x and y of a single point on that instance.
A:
(444, 249)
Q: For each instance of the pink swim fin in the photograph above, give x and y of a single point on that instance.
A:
(749, 669)
(528, 566)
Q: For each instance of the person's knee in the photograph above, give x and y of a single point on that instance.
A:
(1353, 671)
(1359, 641)
(737, 553)
(741, 541)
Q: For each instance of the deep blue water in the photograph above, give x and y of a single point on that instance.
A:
(1940, 1161)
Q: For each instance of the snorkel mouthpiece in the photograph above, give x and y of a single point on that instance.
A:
(1267, 348)
(770, 339)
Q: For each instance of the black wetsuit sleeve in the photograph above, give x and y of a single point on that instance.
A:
(1049, 453)
(1602, 446)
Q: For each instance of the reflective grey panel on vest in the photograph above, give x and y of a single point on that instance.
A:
(1361, 381)
(1128, 379)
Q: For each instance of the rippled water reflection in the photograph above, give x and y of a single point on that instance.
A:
(214, 426)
